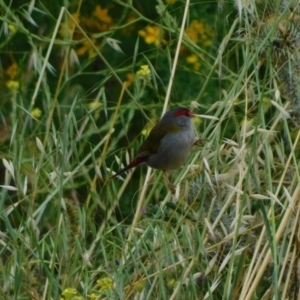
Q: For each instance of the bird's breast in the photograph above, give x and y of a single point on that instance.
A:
(173, 151)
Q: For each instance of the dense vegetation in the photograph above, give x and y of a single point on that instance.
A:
(82, 83)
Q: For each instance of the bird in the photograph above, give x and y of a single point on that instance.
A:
(168, 144)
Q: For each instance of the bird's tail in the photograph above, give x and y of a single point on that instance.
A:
(136, 162)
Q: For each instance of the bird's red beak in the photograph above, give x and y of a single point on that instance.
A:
(190, 114)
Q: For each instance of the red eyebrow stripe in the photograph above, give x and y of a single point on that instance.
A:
(182, 112)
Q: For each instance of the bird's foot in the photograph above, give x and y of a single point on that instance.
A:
(199, 142)
(172, 188)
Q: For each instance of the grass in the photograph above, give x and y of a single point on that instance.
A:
(76, 106)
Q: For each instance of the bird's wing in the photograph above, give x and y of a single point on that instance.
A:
(152, 142)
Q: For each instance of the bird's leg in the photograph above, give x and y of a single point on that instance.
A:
(199, 142)
(171, 186)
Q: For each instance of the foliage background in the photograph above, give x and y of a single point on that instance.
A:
(82, 83)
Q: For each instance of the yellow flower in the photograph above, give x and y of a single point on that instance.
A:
(12, 85)
(69, 293)
(36, 113)
(12, 71)
(199, 32)
(144, 73)
(102, 15)
(86, 47)
(105, 284)
(193, 59)
(66, 28)
(129, 79)
(152, 35)
(171, 1)
(93, 296)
